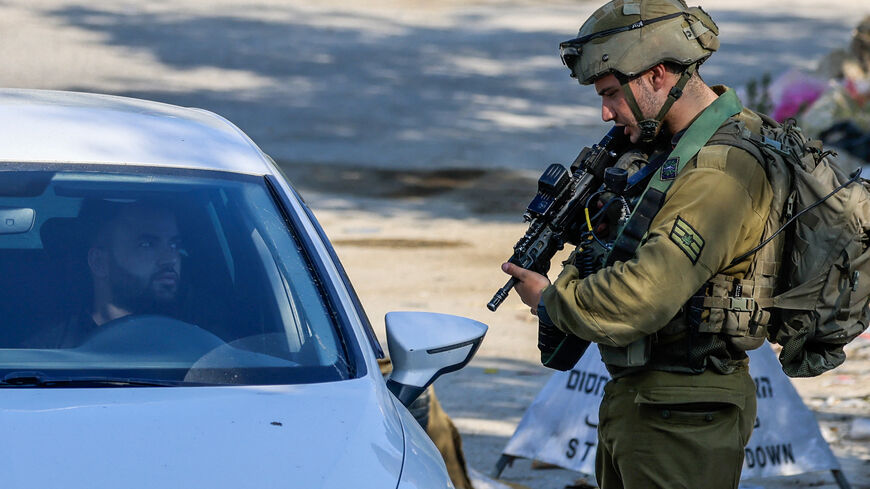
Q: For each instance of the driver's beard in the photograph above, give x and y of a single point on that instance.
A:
(138, 295)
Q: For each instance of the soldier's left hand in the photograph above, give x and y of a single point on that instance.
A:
(530, 284)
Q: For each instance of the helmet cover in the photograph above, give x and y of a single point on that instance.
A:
(628, 37)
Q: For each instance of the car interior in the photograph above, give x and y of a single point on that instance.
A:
(244, 280)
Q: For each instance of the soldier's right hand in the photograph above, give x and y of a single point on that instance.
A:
(530, 284)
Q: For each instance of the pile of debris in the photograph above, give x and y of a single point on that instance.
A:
(832, 103)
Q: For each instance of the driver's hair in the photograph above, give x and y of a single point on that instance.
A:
(99, 217)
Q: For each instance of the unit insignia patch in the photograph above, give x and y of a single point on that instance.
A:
(669, 169)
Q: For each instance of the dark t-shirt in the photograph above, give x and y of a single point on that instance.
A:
(69, 333)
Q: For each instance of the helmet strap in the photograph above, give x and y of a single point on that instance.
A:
(649, 128)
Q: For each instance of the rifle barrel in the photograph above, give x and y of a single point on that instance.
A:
(501, 295)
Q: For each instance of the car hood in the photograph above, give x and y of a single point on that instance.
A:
(330, 435)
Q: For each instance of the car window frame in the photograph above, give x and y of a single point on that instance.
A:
(356, 366)
(340, 316)
(367, 325)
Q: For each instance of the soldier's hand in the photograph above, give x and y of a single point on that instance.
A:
(530, 284)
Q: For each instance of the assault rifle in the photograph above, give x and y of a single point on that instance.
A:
(556, 214)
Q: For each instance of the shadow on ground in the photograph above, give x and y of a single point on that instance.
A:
(496, 195)
(404, 115)
(504, 388)
(351, 88)
(355, 89)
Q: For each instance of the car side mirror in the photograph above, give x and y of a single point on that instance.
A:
(425, 345)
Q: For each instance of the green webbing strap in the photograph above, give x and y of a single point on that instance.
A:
(631, 101)
(677, 91)
(695, 137)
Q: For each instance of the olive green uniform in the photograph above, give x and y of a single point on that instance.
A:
(683, 419)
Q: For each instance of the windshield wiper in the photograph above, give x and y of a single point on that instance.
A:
(38, 379)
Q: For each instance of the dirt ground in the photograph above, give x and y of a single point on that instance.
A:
(433, 241)
(468, 94)
(379, 83)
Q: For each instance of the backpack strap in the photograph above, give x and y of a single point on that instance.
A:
(739, 308)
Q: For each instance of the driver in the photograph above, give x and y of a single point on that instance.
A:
(135, 263)
(134, 259)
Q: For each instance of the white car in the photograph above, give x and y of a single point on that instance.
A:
(173, 316)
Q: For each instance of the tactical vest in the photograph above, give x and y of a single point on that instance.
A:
(720, 322)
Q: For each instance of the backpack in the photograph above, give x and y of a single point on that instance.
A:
(810, 275)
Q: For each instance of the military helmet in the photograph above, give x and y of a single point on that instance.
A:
(627, 37)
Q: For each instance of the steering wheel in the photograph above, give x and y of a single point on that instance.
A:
(152, 337)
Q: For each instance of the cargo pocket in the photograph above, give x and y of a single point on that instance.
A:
(692, 415)
(700, 424)
(733, 312)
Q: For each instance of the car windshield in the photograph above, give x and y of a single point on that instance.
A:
(176, 277)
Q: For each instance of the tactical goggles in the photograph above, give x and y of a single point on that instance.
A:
(570, 50)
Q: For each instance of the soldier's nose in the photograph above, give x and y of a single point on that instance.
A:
(606, 114)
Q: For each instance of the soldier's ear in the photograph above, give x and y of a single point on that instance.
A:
(98, 261)
(658, 77)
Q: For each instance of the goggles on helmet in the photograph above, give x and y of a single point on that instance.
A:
(570, 50)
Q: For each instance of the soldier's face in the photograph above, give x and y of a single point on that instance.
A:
(614, 106)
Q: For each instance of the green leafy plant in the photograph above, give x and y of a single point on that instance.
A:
(758, 95)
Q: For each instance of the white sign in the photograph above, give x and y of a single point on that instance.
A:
(560, 427)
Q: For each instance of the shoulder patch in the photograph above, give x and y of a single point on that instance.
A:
(687, 239)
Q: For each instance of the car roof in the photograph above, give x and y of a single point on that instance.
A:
(72, 127)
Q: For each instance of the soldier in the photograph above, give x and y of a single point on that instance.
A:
(681, 406)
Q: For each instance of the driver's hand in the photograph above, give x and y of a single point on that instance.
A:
(530, 285)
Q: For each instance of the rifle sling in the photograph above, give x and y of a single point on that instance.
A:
(636, 227)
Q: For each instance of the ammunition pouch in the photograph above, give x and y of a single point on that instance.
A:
(732, 308)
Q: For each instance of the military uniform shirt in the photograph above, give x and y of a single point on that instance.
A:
(715, 210)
